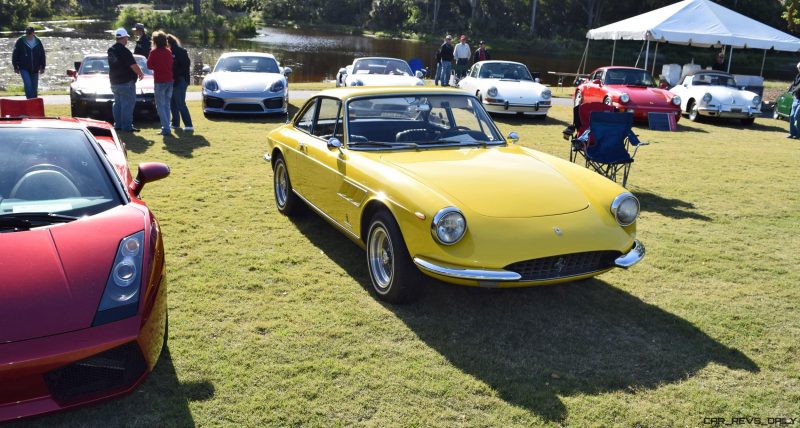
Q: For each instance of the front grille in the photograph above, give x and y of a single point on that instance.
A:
(273, 103)
(565, 265)
(214, 102)
(107, 371)
(244, 107)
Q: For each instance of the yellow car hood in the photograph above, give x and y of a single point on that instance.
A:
(495, 182)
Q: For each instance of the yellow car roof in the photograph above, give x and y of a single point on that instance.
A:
(350, 92)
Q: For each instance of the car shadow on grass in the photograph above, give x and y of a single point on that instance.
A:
(535, 345)
(673, 208)
(161, 400)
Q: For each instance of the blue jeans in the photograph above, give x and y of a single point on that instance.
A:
(436, 78)
(178, 104)
(163, 93)
(794, 131)
(124, 102)
(445, 77)
(31, 83)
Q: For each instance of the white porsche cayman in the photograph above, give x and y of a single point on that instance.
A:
(507, 87)
(715, 94)
(246, 83)
(375, 71)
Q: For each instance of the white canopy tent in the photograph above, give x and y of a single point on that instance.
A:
(700, 23)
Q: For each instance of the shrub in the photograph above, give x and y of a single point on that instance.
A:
(214, 22)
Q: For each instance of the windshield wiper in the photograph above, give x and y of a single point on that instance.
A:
(24, 221)
(383, 144)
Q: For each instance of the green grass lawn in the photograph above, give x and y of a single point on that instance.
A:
(272, 322)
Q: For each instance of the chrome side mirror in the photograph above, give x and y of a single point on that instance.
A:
(513, 137)
(419, 74)
(287, 71)
(206, 69)
(334, 143)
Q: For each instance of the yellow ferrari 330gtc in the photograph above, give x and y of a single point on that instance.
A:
(422, 178)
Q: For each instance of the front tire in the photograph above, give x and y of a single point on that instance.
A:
(394, 277)
(694, 112)
(285, 199)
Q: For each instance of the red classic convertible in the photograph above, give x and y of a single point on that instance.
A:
(82, 293)
(628, 89)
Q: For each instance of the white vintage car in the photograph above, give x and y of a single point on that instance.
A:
(376, 71)
(246, 83)
(715, 94)
(507, 87)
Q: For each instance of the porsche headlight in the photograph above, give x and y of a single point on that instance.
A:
(624, 98)
(707, 98)
(756, 101)
(625, 208)
(357, 82)
(277, 86)
(492, 92)
(121, 295)
(546, 94)
(211, 85)
(676, 100)
(448, 226)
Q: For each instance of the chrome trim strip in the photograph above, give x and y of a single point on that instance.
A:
(633, 256)
(466, 273)
(350, 234)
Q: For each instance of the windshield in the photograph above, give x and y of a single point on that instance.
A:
(247, 64)
(57, 171)
(382, 66)
(413, 121)
(505, 71)
(713, 80)
(99, 65)
(629, 77)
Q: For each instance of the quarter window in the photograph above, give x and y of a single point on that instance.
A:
(329, 122)
(306, 122)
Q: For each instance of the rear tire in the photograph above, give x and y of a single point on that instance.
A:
(607, 101)
(287, 202)
(393, 275)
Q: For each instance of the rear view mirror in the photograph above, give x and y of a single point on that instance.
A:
(419, 74)
(206, 69)
(287, 71)
(148, 172)
(71, 73)
(597, 82)
(513, 137)
(334, 143)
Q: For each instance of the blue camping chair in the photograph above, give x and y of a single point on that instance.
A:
(610, 154)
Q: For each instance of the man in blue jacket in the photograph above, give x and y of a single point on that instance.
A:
(28, 60)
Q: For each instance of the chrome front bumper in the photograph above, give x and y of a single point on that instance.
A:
(729, 112)
(490, 276)
(541, 107)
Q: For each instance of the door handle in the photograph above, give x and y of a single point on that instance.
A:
(302, 146)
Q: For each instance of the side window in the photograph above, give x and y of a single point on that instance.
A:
(598, 75)
(306, 121)
(474, 71)
(328, 121)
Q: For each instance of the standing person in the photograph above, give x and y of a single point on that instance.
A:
(123, 71)
(160, 61)
(446, 60)
(28, 60)
(462, 54)
(481, 54)
(142, 42)
(719, 62)
(794, 130)
(437, 75)
(180, 74)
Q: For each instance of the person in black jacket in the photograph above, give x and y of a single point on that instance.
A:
(143, 42)
(794, 130)
(481, 54)
(180, 74)
(446, 60)
(28, 60)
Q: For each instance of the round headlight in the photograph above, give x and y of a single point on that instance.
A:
(546, 94)
(676, 100)
(211, 85)
(756, 101)
(125, 272)
(492, 92)
(448, 226)
(625, 208)
(131, 247)
(624, 98)
(707, 98)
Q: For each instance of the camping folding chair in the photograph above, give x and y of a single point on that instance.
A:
(33, 107)
(576, 133)
(613, 137)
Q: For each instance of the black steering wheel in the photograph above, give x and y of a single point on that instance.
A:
(48, 167)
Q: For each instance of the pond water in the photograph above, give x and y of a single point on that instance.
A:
(313, 55)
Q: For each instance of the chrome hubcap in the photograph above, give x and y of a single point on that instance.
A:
(381, 258)
(281, 184)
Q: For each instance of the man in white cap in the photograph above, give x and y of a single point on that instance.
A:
(123, 72)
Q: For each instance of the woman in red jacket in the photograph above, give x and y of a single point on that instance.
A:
(160, 61)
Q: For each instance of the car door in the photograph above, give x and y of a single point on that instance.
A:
(594, 92)
(300, 137)
(469, 83)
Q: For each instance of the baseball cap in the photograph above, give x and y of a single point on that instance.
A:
(138, 26)
(120, 33)
(463, 37)
(449, 37)
(29, 30)
(481, 42)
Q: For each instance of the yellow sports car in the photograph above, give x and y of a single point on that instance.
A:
(424, 181)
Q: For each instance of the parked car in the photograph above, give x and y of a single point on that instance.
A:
(628, 89)
(83, 300)
(423, 179)
(507, 87)
(246, 83)
(90, 91)
(375, 71)
(715, 94)
(783, 106)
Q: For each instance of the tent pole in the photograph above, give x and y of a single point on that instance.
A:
(640, 55)
(655, 53)
(614, 50)
(583, 58)
(646, 54)
(587, 57)
(763, 60)
(730, 58)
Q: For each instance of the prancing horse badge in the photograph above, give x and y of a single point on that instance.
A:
(557, 230)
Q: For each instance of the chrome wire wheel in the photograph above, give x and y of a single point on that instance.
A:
(281, 184)
(381, 258)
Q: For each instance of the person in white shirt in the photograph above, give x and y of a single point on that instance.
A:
(462, 54)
